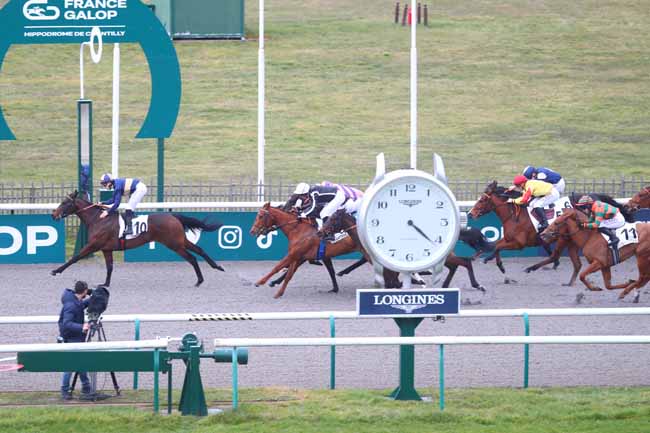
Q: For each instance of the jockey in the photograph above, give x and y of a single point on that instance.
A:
(547, 175)
(135, 188)
(538, 193)
(602, 216)
(347, 197)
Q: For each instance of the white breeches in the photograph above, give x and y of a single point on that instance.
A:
(333, 205)
(137, 196)
(551, 198)
(614, 223)
(560, 186)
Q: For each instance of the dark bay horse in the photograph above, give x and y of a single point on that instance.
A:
(303, 243)
(167, 229)
(596, 250)
(518, 229)
(341, 220)
(640, 200)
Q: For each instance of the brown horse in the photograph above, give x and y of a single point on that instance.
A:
(341, 220)
(303, 242)
(640, 200)
(168, 229)
(518, 229)
(596, 250)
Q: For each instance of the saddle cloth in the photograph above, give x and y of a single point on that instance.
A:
(140, 225)
(552, 211)
(627, 235)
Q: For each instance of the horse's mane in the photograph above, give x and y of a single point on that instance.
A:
(501, 191)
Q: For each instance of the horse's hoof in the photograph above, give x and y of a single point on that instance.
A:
(333, 291)
(567, 285)
(198, 283)
(509, 280)
(276, 296)
(530, 269)
(596, 289)
(481, 289)
(220, 268)
(339, 274)
(53, 272)
(636, 298)
(579, 297)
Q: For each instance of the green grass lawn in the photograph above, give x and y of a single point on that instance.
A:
(560, 410)
(503, 84)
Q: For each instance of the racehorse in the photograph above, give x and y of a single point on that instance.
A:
(167, 229)
(303, 243)
(341, 220)
(518, 230)
(640, 200)
(562, 242)
(595, 248)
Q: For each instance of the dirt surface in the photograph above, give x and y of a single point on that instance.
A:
(168, 288)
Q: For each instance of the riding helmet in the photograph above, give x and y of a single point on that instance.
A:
(520, 179)
(529, 171)
(106, 178)
(302, 188)
(585, 200)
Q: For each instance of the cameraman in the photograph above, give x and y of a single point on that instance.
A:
(73, 330)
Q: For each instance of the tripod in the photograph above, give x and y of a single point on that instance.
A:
(96, 331)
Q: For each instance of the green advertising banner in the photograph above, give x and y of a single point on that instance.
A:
(31, 239)
(231, 242)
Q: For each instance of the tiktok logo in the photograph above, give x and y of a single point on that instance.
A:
(265, 241)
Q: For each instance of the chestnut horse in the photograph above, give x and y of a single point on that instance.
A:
(168, 229)
(518, 229)
(303, 243)
(341, 220)
(640, 200)
(596, 250)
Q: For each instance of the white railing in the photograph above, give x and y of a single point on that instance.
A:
(441, 342)
(463, 204)
(391, 341)
(303, 315)
(158, 343)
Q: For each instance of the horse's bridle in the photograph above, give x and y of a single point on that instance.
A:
(77, 210)
(266, 229)
(496, 206)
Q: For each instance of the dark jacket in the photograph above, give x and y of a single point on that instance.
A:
(319, 196)
(119, 190)
(71, 319)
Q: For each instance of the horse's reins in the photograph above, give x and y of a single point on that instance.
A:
(267, 230)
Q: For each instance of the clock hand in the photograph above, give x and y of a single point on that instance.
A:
(412, 224)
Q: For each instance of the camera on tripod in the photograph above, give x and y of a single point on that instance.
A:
(97, 303)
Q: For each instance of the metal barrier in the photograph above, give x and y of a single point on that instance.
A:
(331, 317)
(234, 343)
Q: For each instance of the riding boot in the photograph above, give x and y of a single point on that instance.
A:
(611, 234)
(613, 242)
(541, 215)
(128, 226)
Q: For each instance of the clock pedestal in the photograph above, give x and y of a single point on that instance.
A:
(406, 389)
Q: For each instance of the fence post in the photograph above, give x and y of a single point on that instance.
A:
(396, 12)
(442, 377)
(332, 355)
(137, 337)
(526, 349)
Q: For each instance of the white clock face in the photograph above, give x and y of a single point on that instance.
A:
(409, 221)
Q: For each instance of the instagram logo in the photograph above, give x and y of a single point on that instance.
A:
(229, 237)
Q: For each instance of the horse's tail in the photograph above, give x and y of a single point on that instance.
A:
(610, 200)
(475, 239)
(196, 224)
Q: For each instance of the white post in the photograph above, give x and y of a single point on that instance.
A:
(116, 111)
(81, 70)
(414, 89)
(260, 106)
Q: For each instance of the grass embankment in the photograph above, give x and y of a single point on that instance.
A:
(502, 85)
(574, 410)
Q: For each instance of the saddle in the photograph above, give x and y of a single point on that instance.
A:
(551, 211)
